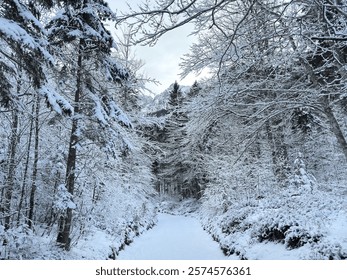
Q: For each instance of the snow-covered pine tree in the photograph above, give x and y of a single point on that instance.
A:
(25, 50)
(173, 169)
(24, 57)
(83, 45)
(177, 166)
(195, 178)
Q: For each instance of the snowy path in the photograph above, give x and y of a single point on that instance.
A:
(173, 238)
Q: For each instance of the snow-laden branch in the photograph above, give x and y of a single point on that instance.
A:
(153, 22)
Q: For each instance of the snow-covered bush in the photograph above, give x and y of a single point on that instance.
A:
(17, 242)
(300, 218)
(63, 199)
(301, 179)
(328, 250)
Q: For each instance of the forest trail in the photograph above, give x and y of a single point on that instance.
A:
(173, 238)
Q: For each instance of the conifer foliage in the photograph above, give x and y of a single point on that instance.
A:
(79, 26)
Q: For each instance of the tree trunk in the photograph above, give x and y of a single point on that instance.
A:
(25, 173)
(279, 152)
(9, 182)
(65, 223)
(36, 160)
(335, 127)
(11, 163)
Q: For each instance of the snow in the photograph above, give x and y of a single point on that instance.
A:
(242, 206)
(14, 32)
(273, 251)
(337, 231)
(95, 246)
(100, 113)
(29, 17)
(118, 114)
(63, 199)
(55, 100)
(178, 236)
(175, 237)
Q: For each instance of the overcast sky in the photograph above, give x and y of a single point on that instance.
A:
(162, 60)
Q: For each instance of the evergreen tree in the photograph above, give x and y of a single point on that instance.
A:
(79, 26)
(27, 49)
(177, 169)
(24, 57)
(175, 96)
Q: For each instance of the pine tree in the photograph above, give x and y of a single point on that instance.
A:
(177, 169)
(27, 49)
(79, 26)
(24, 55)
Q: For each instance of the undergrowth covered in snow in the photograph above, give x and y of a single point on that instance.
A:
(100, 235)
(302, 224)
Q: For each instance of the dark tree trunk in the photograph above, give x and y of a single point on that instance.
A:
(25, 173)
(335, 127)
(11, 163)
(9, 183)
(279, 151)
(65, 224)
(36, 160)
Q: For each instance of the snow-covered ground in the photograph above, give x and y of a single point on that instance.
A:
(310, 226)
(179, 235)
(173, 238)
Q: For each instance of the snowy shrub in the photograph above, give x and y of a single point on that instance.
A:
(273, 233)
(297, 219)
(216, 199)
(63, 199)
(328, 251)
(16, 243)
(287, 231)
(236, 220)
(301, 179)
(297, 236)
